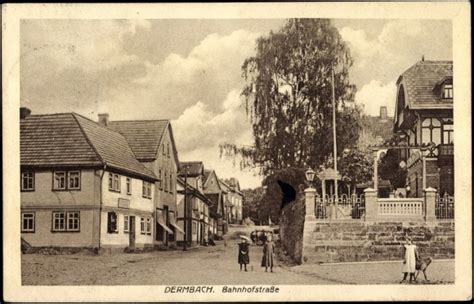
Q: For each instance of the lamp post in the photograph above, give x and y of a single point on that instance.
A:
(334, 133)
(309, 196)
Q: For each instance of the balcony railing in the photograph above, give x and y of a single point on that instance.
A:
(446, 150)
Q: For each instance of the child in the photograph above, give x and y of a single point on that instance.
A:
(410, 257)
(267, 259)
(244, 258)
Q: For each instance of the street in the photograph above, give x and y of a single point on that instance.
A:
(213, 265)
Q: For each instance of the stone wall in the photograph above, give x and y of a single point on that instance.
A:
(352, 241)
(291, 229)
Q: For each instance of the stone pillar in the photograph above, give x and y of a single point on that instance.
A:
(371, 204)
(376, 172)
(309, 201)
(430, 204)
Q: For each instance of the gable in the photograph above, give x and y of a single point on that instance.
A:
(167, 141)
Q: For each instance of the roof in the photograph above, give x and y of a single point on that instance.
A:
(143, 136)
(420, 80)
(195, 192)
(69, 139)
(194, 168)
(376, 126)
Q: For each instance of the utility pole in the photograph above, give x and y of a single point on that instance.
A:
(185, 218)
(334, 133)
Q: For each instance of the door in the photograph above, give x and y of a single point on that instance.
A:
(132, 233)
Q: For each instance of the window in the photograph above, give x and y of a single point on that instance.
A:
(59, 221)
(163, 149)
(146, 189)
(112, 222)
(27, 222)
(129, 185)
(74, 180)
(448, 91)
(448, 132)
(66, 221)
(171, 183)
(114, 182)
(142, 225)
(160, 182)
(431, 133)
(126, 224)
(148, 226)
(27, 181)
(168, 150)
(59, 182)
(166, 181)
(72, 221)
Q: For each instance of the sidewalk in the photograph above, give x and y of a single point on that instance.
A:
(439, 272)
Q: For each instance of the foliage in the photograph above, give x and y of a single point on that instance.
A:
(355, 167)
(288, 97)
(389, 165)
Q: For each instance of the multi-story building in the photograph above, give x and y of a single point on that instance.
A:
(193, 205)
(153, 144)
(424, 114)
(215, 192)
(235, 198)
(81, 185)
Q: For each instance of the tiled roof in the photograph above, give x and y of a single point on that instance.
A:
(72, 140)
(143, 136)
(54, 139)
(420, 80)
(194, 168)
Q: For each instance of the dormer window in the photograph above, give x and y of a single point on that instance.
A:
(448, 91)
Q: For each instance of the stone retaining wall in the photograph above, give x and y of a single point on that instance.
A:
(351, 241)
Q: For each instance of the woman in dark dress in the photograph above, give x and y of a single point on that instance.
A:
(244, 258)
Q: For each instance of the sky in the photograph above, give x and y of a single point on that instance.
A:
(189, 71)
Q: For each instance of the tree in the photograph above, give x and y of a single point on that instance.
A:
(289, 97)
(389, 165)
(355, 167)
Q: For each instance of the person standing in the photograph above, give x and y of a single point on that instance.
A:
(244, 257)
(410, 257)
(268, 249)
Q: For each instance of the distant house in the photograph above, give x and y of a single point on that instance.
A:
(235, 198)
(215, 192)
(424, 113)
(153, 144)
(81, 185)
(193, 204)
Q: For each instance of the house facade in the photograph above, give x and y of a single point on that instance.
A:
(193, 205)
(217, 194)
(235, 198)
(81, 185)
(424, 114)
(153, 144)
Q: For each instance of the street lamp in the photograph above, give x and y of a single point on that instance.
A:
(310, 175)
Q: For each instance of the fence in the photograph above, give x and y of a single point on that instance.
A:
(444, 206)
(369, 207)
(346, 206)
(400, 207)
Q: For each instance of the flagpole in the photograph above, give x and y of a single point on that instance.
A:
(334, 134)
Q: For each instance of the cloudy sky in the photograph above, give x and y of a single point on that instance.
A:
(189, 71)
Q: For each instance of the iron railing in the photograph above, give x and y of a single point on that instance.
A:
(444, 206)
(347, 206)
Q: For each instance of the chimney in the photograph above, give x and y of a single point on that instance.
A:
(422, 57)
(383, 112)
(104, 119)
(24, 112)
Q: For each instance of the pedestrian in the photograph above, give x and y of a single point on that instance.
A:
(268, 249)
(244, 258)
(410, 258)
